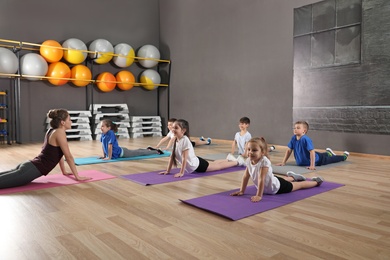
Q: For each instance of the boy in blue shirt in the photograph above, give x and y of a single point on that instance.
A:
(304, 152)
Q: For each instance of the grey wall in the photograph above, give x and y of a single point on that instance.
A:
(133, 22)
(234, 58)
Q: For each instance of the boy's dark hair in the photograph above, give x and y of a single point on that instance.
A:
(304, 123)
(245, 120)
(172, 120)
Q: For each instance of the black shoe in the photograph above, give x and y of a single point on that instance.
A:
(151, 148)
(159, 151)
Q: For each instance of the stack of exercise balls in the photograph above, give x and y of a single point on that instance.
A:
(62, 63)
(73, 51)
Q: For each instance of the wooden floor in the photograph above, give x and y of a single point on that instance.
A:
(119, 219)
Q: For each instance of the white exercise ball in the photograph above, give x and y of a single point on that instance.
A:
(8, 61)
(34, 65)
(149, 52)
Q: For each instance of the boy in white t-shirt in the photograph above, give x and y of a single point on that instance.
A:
(240, 139)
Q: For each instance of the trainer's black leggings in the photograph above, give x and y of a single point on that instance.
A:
(23, 174)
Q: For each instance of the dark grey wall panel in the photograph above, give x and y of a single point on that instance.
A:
(352, 98)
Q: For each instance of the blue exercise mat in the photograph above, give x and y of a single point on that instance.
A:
(95, 160)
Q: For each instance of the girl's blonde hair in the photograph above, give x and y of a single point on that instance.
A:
(260, 141)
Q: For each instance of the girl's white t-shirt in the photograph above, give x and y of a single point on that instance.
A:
(271, 183)
(192, 160)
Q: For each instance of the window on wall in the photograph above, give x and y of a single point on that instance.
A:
(327, 33)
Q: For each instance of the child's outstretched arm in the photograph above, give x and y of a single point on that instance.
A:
(233, 147)
(104, 155)
(109, 155)
(286, 156)
(260, 185)
(169, 168)
(312, 160)
(183, 164)
(244, 183)
(163, 140)
(170, 143)
(63, 143)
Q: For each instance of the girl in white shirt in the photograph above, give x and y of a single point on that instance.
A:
(258, 168)
(183, 152)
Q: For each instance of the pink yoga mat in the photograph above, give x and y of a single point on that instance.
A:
(56, 180)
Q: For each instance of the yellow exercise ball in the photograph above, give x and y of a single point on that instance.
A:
(75, 51)
(150, 78)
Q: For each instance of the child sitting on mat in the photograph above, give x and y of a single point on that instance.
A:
(183, 152)
(169, 136)
(304, 152)
(111, 148)
(259, 169)
(55, 148)
(240, 140)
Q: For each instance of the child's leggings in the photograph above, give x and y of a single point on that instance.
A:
(325, 159)
(126, 153)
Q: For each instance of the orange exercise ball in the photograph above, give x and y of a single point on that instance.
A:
(51, 51)
(60, 73)
(81, 75)
(125, 80)
(106, 81)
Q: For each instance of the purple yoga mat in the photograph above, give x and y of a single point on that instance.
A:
(238, 207)
(150, 178)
